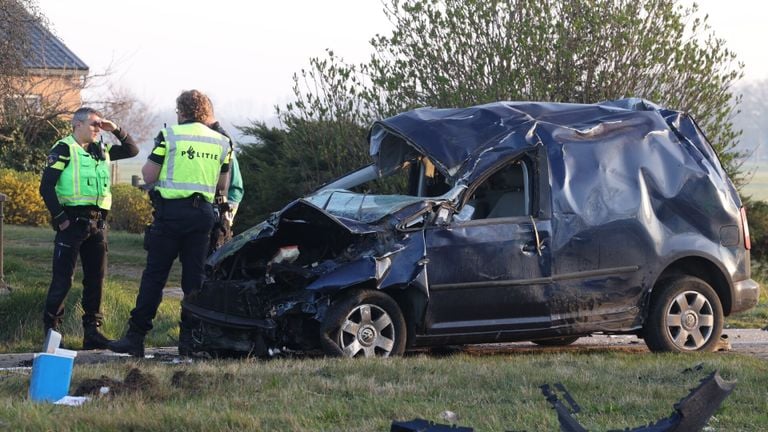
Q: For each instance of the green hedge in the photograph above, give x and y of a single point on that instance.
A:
(131, 209)
(24, 205)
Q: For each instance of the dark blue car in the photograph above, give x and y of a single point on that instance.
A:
(517, 221)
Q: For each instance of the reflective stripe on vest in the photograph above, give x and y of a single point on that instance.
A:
(85, 180)
(192, 163)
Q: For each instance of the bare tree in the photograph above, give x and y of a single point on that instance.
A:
(121, 105)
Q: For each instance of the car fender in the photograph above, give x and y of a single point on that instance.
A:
(402, 265)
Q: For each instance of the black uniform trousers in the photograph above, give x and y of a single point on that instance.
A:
(85, 237)
(180, 228)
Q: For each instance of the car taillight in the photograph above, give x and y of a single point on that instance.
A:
(745, 227)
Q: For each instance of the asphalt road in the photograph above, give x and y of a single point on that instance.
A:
(744, 341)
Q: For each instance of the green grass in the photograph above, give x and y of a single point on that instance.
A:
(488, 392)
(28, 252)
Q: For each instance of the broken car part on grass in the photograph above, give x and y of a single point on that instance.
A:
(515, 221)
(691, 413)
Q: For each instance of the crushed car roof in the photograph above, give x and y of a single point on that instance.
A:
(463, 142)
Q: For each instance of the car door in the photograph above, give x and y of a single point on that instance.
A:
(490, 271)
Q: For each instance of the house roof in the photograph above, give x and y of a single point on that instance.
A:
(46, 51)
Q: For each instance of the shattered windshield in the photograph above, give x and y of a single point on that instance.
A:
(360, 207)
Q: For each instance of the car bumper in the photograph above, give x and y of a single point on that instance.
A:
(745, 295)
(226, 320)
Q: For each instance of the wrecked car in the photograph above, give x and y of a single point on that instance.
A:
(517, 221)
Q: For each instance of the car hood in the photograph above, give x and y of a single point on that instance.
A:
(339, 211)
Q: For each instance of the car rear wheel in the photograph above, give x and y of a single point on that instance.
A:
(556, 342)
(685, 315)
(364, 324)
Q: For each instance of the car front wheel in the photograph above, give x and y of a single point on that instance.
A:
(685, 315)
(366, 323)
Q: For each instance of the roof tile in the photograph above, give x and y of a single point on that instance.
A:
(48, 52)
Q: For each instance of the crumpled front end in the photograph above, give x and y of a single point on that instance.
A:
(268, 289)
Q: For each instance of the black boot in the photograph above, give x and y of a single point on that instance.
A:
(52, 322)
(132, 343)
(185, 339)
(92, 338)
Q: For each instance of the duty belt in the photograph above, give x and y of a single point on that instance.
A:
(90, 217)
(196, 200)
(87, 213)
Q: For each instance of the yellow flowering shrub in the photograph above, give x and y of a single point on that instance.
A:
(24, 205)
(131, 209)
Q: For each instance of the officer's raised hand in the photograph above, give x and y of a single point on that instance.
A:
(107, 125)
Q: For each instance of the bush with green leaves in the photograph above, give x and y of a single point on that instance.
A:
(24, 205)
(25, 143)
(131, 209)
(285, 164)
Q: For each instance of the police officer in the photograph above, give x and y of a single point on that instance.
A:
(225, 207)
(76, 189)
(234, 196)
(189, 163)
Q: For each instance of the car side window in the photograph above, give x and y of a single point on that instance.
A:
(506, 193)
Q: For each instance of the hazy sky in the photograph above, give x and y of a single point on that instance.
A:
(244, 53)
(241, 53)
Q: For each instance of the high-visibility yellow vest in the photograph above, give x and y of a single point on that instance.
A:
(193, 159)
(85, 180)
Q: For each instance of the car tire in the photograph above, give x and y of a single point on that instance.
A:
(556, 342)
(685, 315)
(364, 323)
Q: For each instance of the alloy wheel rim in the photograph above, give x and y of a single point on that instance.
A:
(690, 320)
(367, 331)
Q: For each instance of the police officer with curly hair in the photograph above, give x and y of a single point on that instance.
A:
(75, 187)
(189, 163)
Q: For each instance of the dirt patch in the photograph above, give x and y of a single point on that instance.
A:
(135, 381)
(190, 381)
